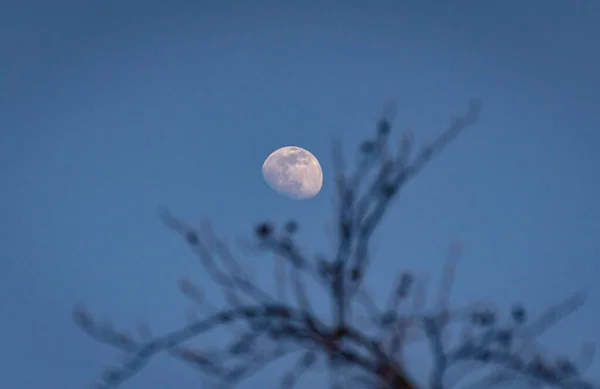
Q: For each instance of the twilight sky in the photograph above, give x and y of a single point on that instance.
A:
(110, 109)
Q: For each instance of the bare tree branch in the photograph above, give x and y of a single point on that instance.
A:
(265, 326)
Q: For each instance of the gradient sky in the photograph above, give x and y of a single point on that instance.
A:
(110, 109)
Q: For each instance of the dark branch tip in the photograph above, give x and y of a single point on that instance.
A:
(264, 230)
(519, 314)
(384, 126)
(192, 238)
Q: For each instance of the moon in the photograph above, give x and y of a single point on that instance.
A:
(294, 172)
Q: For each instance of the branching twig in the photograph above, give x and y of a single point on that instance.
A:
(271, 326)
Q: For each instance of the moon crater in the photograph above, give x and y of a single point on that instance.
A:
(294, 172)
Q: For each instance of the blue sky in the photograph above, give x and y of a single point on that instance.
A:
(111, 109)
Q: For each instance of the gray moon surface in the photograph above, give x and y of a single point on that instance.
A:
(294, 172)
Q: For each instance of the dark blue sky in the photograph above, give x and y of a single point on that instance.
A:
(109, 109)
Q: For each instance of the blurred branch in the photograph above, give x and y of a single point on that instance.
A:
(269, 326)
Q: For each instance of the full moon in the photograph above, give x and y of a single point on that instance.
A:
(294, 172)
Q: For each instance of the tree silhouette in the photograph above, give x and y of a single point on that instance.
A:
(366, 354)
